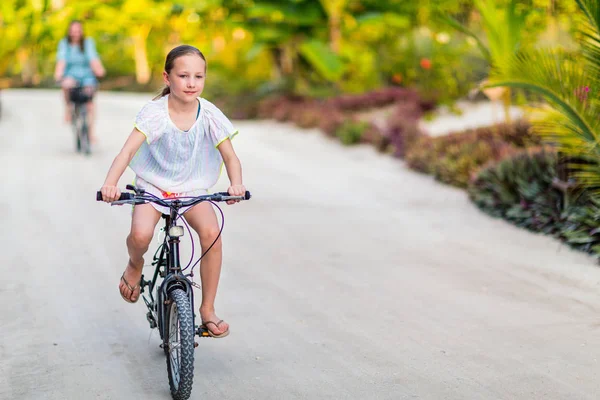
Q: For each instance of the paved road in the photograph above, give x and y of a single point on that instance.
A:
(347, 276)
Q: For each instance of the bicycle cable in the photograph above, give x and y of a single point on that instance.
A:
(213, 243)
(163, 203)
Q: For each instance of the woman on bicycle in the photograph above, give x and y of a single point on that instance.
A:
(177, 147)
(78, 64)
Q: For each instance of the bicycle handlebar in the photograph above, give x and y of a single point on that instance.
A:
(134, 198)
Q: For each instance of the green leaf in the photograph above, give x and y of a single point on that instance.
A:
(461, 28)
(325, 62)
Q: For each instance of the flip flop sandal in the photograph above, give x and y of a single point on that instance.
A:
(130, 288)
(221, 335)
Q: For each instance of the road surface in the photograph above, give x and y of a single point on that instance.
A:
(347, 276)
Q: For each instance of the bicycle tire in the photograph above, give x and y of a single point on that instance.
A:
(84, 134)
(75, 123)
(179, 325)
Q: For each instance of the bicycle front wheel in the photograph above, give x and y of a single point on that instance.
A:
(84, 133)
(179, 341)
(75, 121)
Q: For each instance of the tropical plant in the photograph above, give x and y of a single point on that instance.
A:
(456, 157)
(570, 85)
(503, 27)
(522, 190)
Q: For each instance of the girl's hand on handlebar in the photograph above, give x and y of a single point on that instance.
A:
(236, 190)
(110, 193)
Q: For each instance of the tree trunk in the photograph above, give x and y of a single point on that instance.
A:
(27, 62)
(287, 59)
(335, 33)
(142, 69)
(506, 100)
(58, 4)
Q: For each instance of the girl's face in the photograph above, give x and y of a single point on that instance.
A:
(76, 32)
(186, 78)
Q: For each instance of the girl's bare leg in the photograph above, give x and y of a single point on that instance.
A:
(66, 84)
(203, 220)
(144, 220)
(91, 114)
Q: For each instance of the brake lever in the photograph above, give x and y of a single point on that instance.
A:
(121, 202)
(138, 191)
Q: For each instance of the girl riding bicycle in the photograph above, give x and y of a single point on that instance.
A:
(176, 148)
(78, 64)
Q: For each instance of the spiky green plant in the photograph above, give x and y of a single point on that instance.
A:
(503, 28)
(570, 84)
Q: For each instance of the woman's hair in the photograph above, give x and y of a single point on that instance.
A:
(173, 55)
(69, 39)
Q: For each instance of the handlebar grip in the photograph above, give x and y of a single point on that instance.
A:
(124, 196)
(247, 195)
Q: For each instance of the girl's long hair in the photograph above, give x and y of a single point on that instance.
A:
(70, 40)
(173, 55)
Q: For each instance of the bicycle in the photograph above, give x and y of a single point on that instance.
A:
(171, 304)
(80, 98)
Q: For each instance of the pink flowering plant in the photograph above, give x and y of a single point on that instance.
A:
(569, 116)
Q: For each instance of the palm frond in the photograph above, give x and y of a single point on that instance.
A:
(555, 129)
(590, 30)
(561, 80)
(570, 118)
(591, 10)
(463, 29)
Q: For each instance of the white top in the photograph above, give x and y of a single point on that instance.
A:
(179, 161)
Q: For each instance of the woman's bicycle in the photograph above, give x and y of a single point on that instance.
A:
(79, 97)
(171, 303)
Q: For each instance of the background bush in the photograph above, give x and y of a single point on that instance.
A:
(522, 190)
(456, 157)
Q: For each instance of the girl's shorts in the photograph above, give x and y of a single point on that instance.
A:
(149, 188)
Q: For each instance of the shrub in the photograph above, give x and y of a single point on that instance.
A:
(267, 106)
(402, 127)
(351, 132)
(376, 98)
(376, 136)
(522, 190)
(456, 157)
(331, 120)
(519, 188)
(306, 114)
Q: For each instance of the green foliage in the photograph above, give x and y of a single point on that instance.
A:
(521, 190)
(351, 132)
(325, 62)
(455, 158)
(568, 82)
(434, 62)
(317, 48)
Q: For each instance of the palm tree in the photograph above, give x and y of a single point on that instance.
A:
(503, 27)
(570, 84)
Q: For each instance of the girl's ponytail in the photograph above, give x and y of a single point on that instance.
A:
(166, 90)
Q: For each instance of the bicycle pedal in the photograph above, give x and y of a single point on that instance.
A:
(197, 286)
(202, 332)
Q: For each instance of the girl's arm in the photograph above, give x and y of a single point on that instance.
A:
(97, 68)
(234, 169)
(92, 55)
(110, 191)
(60, 70)
(61, 60)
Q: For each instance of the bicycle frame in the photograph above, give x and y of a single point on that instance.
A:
(79, 100)
(167, 266)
